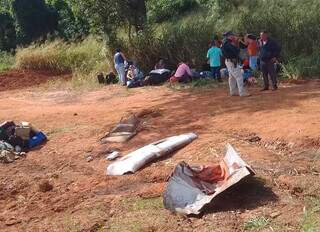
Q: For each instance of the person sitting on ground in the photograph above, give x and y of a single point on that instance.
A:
(160, 65)
(183, 73)
(214, 55)
(134, 76)
(253, 49)
(248, 77)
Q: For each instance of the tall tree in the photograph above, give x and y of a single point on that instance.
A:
(7, 32)
(107, 16)
(34, 19)
(5, 5)
(71, 24)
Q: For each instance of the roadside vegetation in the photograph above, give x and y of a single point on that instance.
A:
(7, 61)
(176, 30)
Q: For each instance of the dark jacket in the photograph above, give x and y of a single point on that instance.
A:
(269, 50)
(229, 51)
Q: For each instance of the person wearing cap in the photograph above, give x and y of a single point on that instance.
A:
(269, 52)
(231, 51)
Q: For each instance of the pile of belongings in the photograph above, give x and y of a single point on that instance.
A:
(157, 77)
(16, 139)
(190, 189)
(110, 78)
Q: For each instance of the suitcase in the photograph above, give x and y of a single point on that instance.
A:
(38, 139)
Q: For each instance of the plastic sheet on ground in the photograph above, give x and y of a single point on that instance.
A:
(190, 189)
(139, 158)
(125, 130)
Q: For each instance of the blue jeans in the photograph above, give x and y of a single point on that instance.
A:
(253, 62)
(216, 72)
(121, 73)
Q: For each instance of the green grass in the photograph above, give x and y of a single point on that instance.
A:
(256, 224)
(141, 204)
(138, 215)
(6, 61)
(60, 57)
(84, 60)
(205, 83)
(311, 216)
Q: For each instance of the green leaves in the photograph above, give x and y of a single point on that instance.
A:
(34, 19)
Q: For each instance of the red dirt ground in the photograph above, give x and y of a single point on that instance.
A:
(26, 78)
(83, 198)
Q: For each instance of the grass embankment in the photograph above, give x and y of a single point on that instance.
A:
(84, 59)
(187, 38)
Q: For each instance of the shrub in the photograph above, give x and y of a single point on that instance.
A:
(175, 42)
(6, 61)
(303, 66)
(60, 57)
(162, 10)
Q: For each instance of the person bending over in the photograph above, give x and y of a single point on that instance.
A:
(183, 73)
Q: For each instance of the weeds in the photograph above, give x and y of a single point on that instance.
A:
(6, 61)
(311, 215)
(256, 224)
(141, 204)
(61, 57)
(137, 215)
(84, 60)
(204, 83)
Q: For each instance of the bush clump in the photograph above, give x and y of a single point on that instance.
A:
(61, 57)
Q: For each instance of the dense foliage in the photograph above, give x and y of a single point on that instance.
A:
(173, 29)
(34, 19)
(7, 32)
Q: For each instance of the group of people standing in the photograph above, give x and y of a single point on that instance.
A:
(236, 52)
(260, 53)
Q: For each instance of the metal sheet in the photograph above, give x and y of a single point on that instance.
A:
(187, 194)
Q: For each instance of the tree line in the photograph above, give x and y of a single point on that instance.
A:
(25, 21)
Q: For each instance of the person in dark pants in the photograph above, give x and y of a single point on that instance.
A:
(214, 55)
(269, 52)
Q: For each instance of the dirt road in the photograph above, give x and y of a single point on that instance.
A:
(83, 198)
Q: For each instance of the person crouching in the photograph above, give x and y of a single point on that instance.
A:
(183, 73)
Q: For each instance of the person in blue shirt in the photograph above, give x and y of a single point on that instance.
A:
(214, 56)
(119, 60)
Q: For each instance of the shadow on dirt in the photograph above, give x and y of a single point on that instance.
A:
(184, 112)
(250, 194)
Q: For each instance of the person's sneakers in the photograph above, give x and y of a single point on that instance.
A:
(264, 89)
(246, 95)
(275, 88)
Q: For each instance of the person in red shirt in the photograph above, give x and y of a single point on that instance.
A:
(253, 50)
